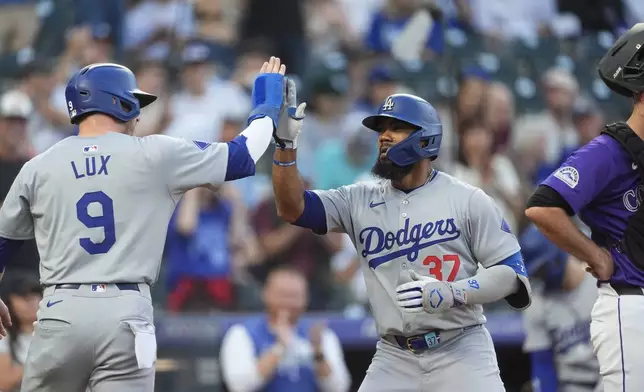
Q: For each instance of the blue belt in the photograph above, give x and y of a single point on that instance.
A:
(120, 286)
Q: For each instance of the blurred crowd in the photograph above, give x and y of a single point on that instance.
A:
(514, 83)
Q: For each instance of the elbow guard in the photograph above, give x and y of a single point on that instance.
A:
(522, 298)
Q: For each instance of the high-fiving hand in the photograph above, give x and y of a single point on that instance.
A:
(291, 118)
(268, 91)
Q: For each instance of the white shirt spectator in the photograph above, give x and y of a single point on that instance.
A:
(360, 12)
(506, 179)
(149, 16)
(512, 19)
(343, 260)
(195, 117)
(239, 362)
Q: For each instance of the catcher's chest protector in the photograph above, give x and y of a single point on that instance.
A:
(632, 242)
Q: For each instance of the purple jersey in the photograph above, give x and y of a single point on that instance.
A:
(602, 184)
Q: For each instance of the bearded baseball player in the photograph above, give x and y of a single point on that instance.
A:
(98, 205)
(420, 235)
(557, 324)
(602, 183)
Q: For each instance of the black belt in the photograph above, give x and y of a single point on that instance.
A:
(120, 286)
(626, 289)
(422, 342)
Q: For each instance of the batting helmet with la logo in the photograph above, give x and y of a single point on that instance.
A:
(388, 105)
(420, 115)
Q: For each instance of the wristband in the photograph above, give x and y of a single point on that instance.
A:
(460, 296)
(283, 164)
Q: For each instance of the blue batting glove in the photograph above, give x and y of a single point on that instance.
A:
(267, 97)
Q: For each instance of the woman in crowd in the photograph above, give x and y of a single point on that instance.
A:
(479, 166)
(21, 293)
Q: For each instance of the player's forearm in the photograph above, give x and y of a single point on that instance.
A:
(258, 137)
(489, 285)
(287, 185)
(555, 224)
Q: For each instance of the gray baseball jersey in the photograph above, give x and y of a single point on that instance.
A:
(560, 321)
(99, 207)
(442, 229)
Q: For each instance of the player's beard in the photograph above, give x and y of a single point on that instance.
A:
(384, 168)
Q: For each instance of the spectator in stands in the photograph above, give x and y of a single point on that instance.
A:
(588, 120)
(327, 111)
(342, 162)
(49, 121)
(553, 128)
(360, 12)
(152, 76)
(499, 115)
(507, 20)
(472, 89)
(18, 25)
(15, 151)
(195, 109)
(347, 273)
(387, 23)
(328, 27)
(285, 29)
(21, 292)
(382, 82)
(456, 13)
(284, 244)
(279, 352)
(599, 15)
(157, 22)
(233, 94)
(209, 244)
(479, 166)
(216, 20)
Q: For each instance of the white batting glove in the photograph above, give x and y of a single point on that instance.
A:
(427, 294)
(291, 118)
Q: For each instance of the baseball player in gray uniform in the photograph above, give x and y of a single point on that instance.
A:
(421, 235)
(557, 324)
(98, 205)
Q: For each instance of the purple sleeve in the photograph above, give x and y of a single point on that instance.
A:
(584, 175)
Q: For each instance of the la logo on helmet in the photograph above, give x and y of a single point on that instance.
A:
(389, 104)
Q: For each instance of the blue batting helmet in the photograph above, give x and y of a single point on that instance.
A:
(425, 142)
(105, 88)
(542, 258)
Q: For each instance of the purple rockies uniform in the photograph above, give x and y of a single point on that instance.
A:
(601, 183)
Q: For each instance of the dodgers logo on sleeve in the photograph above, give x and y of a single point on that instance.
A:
(202, 145)
(505, 227)
(568, 175)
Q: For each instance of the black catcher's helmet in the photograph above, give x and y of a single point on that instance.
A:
(622, 68)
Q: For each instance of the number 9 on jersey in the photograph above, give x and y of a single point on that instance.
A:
(105, 221)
